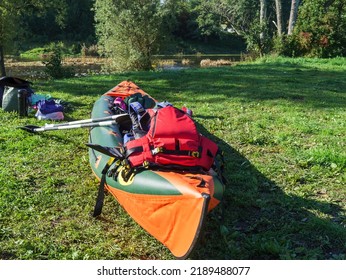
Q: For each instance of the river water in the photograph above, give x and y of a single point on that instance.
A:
(83, 66)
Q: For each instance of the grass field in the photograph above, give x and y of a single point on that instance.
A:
(280, 122)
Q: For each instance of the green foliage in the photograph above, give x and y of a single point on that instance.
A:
(209, 23)
(14, 15)
(53, 65)
(129, 32)
(8, 22)
(39, 53)
(287, 46)
(12, 28)
(257, 39)
(237, 15)
(61, 20)
(320, 29)
(35, 53)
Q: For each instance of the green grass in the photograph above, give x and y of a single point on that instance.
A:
(280, 122)
(33, 54)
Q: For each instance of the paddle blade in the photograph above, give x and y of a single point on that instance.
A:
(29, 128)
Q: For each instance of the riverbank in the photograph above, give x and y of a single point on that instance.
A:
(84, 66)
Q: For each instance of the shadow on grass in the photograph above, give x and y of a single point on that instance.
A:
(263, 222)
(306, 86)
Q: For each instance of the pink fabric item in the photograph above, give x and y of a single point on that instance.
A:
(120, 103)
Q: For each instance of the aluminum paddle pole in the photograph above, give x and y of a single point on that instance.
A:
(114, 117)
(34, 129)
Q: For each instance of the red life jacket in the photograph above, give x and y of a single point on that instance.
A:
(172, 139)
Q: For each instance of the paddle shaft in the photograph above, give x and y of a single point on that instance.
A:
(73, 126)
(114, 117)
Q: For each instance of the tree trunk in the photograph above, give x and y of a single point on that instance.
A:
(263, 23)
(278, 6)
(263, 16)
(263, 11)
(2, 62)
(293, 16)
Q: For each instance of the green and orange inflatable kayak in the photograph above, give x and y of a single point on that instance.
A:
(171, 205)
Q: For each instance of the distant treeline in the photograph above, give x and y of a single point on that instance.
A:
(314, 28)
(75, 22)
(317, 27)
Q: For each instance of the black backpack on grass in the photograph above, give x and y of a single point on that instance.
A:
(11, 89)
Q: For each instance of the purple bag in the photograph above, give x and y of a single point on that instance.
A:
(119, 102)
(49, 106)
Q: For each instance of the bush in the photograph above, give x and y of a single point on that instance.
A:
(320, 28)
(257, 40)
(54, 67)
(130, 32)
(289, 45)
(89, 51)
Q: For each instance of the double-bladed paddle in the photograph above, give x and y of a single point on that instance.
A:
(107, 121)
(113, 117)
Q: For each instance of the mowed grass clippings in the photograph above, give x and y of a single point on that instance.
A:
(280, 123)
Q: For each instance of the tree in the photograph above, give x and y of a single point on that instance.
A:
(320, 28)
(130, 32)
(248, 18)
(8, 20)
(293, 16)
(209, 23)
(238, 15)
(278, 7)
(10, 13)
(75, 23)
(263, 18)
